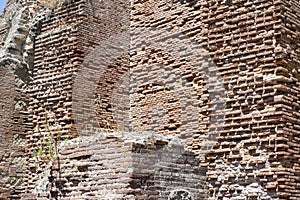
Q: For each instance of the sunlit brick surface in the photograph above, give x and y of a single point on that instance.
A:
(249, 117)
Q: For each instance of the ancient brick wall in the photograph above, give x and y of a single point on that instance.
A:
(117, 167)
(14, 126)
(98, 77)
(7, 109)
(218, 74)
(65, 44)
(50, 90)
(14, 115)
(244, 40)
(172, 168)
(19, 128)
(287, 99)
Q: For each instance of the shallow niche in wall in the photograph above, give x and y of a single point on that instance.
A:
(180, 194)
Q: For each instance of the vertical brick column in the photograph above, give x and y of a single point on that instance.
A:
(6, 119)
(287, 100)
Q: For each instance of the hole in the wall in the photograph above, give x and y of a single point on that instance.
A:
(189, 2)
(82, 168)
(180, 194)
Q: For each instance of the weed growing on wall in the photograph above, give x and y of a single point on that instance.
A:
(47, 148)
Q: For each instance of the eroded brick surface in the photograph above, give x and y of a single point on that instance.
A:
(117, 167)
(7, 81)
(249, 116)
(245, 41)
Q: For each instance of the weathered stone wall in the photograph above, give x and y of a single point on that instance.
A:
(3, 30)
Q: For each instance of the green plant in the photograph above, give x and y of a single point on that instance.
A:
(122, 132)
(68, 137)
(47, 147)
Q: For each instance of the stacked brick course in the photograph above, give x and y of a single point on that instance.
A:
(14, 126)
(64, 45)
(287, 100)
(244, 40)
(249, 116)
(7, 82)
(14, 115)
(117, 167)
(51, 88)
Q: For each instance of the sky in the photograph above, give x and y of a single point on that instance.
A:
(2, 4)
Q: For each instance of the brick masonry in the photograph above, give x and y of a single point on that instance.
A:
(117, 167)
(14, 113)
(248, 42)
(7, 81)
(249, 117)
